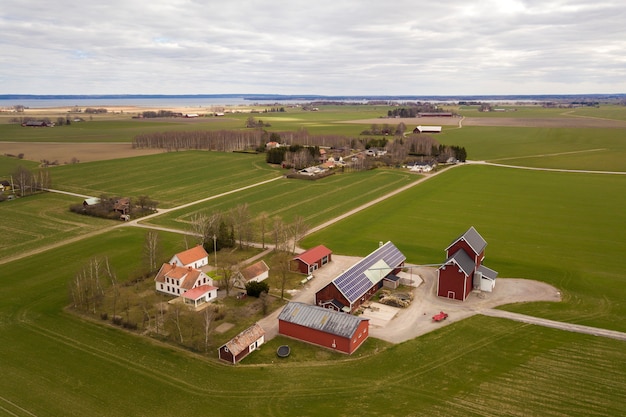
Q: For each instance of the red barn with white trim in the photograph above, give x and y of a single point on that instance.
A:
(323, 327)
(311, 260)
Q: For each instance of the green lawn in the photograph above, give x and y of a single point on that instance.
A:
(8, 165)
(172, 178)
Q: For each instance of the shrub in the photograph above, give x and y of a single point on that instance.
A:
(254, 288)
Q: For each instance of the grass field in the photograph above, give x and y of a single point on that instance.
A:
(8, 165)
(566, 229)
(315, 201)
(54, 364)
(172, 178)
(594, 149)
(40, 220)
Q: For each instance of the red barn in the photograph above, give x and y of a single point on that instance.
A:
(359, 283)
(463, 270)
(323, 327)
(312, 259)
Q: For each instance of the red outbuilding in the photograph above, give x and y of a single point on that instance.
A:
(323, 327)
(312, 259)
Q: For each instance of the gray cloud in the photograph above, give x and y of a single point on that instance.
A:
(323, 47)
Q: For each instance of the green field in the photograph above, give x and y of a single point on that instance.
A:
(593, 149)
(315, 201)
(171, 178)
(566, 229)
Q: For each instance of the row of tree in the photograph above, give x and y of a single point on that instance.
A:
(26, 182)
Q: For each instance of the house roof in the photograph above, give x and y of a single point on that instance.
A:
(323, 319)
(191, 255)
(487, 272)
(254, 270)
(357, 280)
(314, 254)
(199, 291)
(473, 239)
(188, 275)
(462, 259)
(243, 340)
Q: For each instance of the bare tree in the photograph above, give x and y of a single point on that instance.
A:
(262, 223)
(280, 264)
(22, 179)
(86, 287)
(228, 267)
(279, 234)
(298, 230)
(207, 319)
(205, 226)
(114, 289)
(240, 216)
(151, 250)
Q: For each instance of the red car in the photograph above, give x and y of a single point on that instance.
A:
(440, 316)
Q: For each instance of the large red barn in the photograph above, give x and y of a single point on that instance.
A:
(359, 283)
(463, 270)
(323, 327)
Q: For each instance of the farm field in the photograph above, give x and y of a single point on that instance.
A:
(315, 201)
(593, 149)
(172, 178)
(561, 228)
(54, 364)
(40, 220)
(565, 229)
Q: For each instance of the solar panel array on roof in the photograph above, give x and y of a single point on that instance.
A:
(354, 282)
(324, 319)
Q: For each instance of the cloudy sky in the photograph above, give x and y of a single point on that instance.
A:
(339, 47)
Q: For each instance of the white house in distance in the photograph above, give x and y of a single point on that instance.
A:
(195, 257)
(258, 271)
(177, 280)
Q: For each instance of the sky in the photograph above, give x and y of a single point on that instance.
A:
(346, 47)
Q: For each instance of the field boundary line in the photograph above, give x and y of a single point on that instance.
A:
(573, 171)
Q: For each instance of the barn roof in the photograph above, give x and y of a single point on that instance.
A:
(473, 238)
(323, 319)
(191, 255)
(462, 259)
(243, 340)
(357, 280)
(314, 254)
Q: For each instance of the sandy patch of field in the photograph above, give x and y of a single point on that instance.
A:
(65, 152)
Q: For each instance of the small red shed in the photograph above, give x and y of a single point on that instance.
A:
(312, 259)
(242, 345)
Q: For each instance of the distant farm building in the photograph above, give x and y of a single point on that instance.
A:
(309, 261)
(195, 257)
(258, 272)
(38, 123)
(463, 270)
(91, 201)
(435, 114)
(323, 327)
(359, 283)
(242, 345)
(427, 129)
